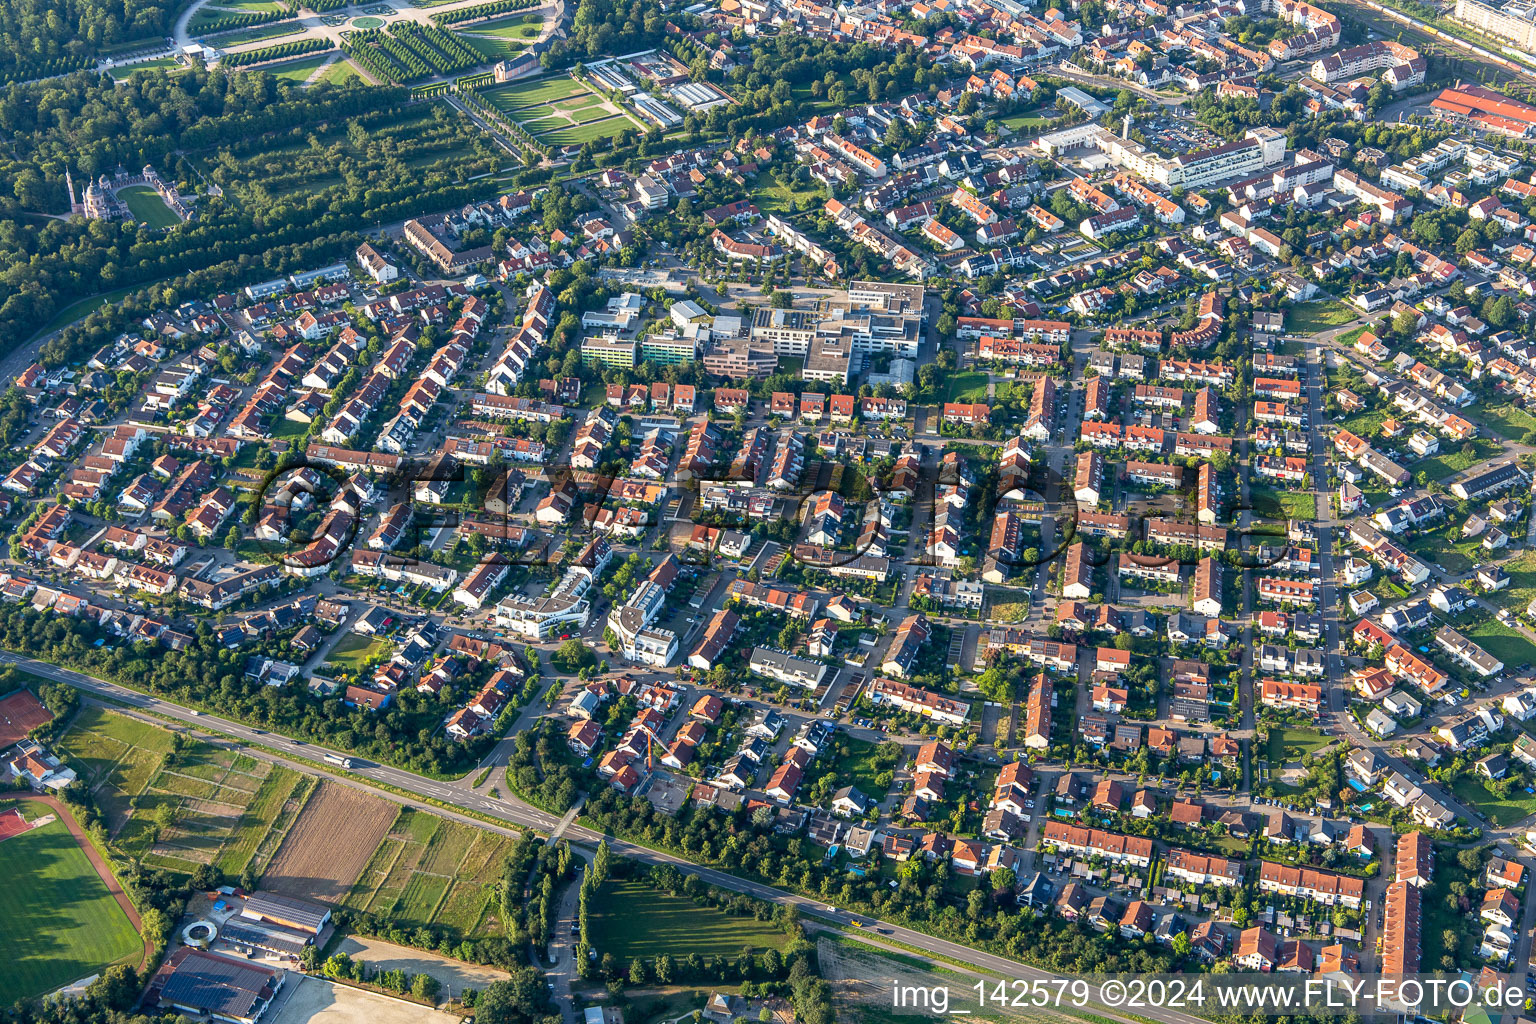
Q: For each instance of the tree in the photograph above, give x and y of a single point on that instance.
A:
(424, 986)
(1003, 879)
(1182, 944)
(637, 972)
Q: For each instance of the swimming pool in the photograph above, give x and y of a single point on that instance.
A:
(1359, 786)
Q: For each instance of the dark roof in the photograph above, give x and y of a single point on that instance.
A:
(287, 909)
(216, 984)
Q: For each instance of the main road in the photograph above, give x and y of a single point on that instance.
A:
(434, 795)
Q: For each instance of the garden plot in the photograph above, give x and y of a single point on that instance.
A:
(430, 871)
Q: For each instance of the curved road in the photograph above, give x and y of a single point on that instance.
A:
(515, 812)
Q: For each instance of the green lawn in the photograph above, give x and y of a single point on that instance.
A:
(1437, 548)
(1522, 583)
(81, 308)
(255, 35)
(57, 920)
(966, 387)
(1315, 317)
(1287, 743)
(576, 134)
(1366, 424)
(299, 70)
(1503, 642)
(122, 71)
(354, 651)
(146, 204)
(1453, 460)
(339, 73)
(1351, 336)
(518, 26)
(1028, 120)
(493, 47)
(535, 93)
(630, 919)
(1472, 790)
(1508, 421)
(1272, 503)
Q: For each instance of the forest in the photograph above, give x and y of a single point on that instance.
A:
(50, 37)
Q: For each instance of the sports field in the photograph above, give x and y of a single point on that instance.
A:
(20, 713)
(57, 920)
(560, 110)
(145, 204)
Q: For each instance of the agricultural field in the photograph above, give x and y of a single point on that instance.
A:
(431, 871)
(57, 919)
(220, 806)
(630, 919)
(329, 845)
(560, 110)
(146, 205)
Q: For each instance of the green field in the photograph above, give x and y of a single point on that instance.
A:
(299, 70)
(115, 756)
(225, 40)
(1522, 583)
(256, 821)
(1314, 317)
(1503, 642)
(1508, 421)
(493, 48)
(630, 919)
(1472, 790)
(81, 308)
(518, 26)
(57, 919)
(354, 651)
(1453, 460)
(1277, 504)
(339, 73)
(225, 803)
(589, 131)
(146, 205)
(548, 106)
(518, 95)
(121, 72)
(1291, 744)
(1027, 120)
(966, 387)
